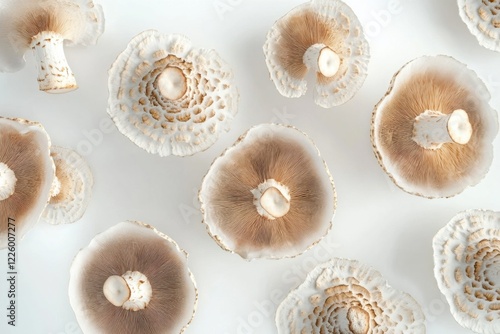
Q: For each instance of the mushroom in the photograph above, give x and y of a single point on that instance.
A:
(345, 296)
(270, 195)
(71, 189)
(322, 36)
(432, 132)
(466, 267)
(132, 279)
(483, 20)
(168, 97)
(26, 175)
(45, 26)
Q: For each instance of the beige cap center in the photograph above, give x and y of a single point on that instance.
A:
(359, 320)
(172, 83)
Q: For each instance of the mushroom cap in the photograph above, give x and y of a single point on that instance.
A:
(268, 152)
(345, 296)
(76, 182)
(483, 20)
(466, 262)
(24, 148)
(184, 126)
(433, 83)
(328, 22)
(133, 246)
(80, 22)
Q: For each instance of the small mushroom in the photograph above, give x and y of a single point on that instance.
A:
(482, 17)
(170, 98)
(345, 296)
(322, 36)
(466, 267)
(71, 189)
(132, 279)
(270, 195)
(26, 175)
(432, 132)
(45, 26)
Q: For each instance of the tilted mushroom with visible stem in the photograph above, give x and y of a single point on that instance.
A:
(270, 195)
(482, 17)
(71, 189)
(45, 26)
(345, 296)
(324, 37)
(170, 98)
(433, 130)
(132, 279)
(26, 175)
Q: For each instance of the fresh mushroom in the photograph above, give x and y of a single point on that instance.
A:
(26, 175)
(482, 17)
(466, 267)
(345, 296)
(326, 38)
(71, 189)
(45, 26)
(433, 131)
(269, 195)
(132, 279)
(170, 98)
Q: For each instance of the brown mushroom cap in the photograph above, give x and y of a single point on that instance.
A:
(440, 84)
(24, 149)
(303, 196)
(133, 246)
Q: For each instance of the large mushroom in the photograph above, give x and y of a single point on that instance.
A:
(132, 279)
(482, 17)
(45, 26)
(269, 195)
(26, 175)
(466, 262)
(324, 37)
(433, 131)
(71, 189)
(168, 97)
(345, 296)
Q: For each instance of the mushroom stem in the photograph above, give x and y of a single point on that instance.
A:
(132, 290)
(54, 74)
(7, 181)
(432, 129)
(321, 58)
(271, 199)
(172, 83)
(55, 189)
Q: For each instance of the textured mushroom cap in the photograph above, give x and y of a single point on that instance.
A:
(24, 148)
(344, 296)
(483, 20)
(265, 152)
(80, 22)
(133, 246)
(466, 262)
(433, 83)
(76, 182)
(180, 127)
(329, 22)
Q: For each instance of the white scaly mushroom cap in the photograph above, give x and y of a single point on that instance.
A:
(73, 183)
(170, 98)
(430, 86)
(483, 20)
(132, 260)
(27, 171)
(324, 36)
(344, 296)
(466, 267)
(270, 195)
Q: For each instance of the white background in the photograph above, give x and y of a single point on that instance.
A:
(375, 222)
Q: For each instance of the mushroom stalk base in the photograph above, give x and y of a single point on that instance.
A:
(271, 199)
(432, 129)
(7, 182)
(132, 290)
(322, 59)
(54, 74)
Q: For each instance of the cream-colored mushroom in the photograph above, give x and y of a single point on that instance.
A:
(482, 17)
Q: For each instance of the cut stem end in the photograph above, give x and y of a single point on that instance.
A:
(8, 182)
(272, 199)
(132, 290)
(322, 59)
